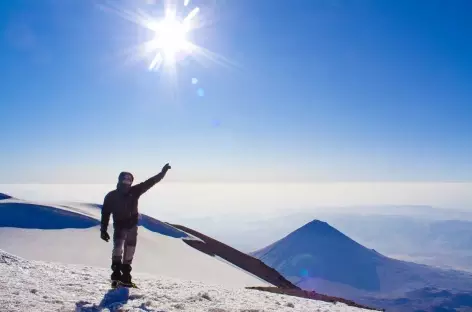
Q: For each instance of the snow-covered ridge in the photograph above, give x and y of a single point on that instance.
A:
(40, 287)
(68, 233)
(52, 215)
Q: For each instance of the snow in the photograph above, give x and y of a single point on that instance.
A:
(43, 287)
(70, 234)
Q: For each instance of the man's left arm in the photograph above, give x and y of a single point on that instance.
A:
(143, 187)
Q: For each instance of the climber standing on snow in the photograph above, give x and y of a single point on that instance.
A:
(122, 203)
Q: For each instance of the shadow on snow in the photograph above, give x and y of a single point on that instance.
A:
(160, 227)
(113, 300)
(31, 216)
(4, 196)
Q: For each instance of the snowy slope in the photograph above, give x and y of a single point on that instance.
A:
(40, 287)
(70, 234)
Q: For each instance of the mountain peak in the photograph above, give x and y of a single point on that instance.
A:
(316, 222)
(318, 225)
(318, 228)
(319, 251)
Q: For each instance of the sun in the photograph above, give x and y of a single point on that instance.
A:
(170, 38)
(165, 41)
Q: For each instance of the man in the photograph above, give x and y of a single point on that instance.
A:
(122, 203)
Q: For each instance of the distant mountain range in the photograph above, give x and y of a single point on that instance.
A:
(422, 234)
(428, 234)
(319, 257)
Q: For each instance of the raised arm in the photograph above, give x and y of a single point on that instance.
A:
(143, 187)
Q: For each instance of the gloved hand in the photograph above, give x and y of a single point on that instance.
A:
(166, 167)
(104, 235)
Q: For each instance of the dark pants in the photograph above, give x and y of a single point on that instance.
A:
(124, 245)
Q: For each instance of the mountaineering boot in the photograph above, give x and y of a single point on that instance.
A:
(116, 274)
(126, 276)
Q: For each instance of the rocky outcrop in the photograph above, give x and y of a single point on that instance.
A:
(250, 264)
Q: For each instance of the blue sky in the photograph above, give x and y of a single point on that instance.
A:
(319, 91)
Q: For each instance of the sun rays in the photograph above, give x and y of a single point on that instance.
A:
(167, 42)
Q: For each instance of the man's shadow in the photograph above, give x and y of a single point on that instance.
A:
(113, 300)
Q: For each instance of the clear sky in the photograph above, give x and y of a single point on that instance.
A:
(315, 90)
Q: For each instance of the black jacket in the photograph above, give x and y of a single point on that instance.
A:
(124, 206)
